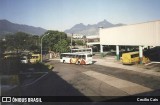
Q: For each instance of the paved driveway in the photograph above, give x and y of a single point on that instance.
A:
(93, 80)
(97, 80)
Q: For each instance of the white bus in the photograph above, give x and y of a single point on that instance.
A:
(84, 50)
(76, 58)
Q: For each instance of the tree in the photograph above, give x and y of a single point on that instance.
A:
(52, 40)
(34, 43)
(16, 41)
(79, 42)
(22, 41)
(2, 47)
(69, 41)
(61, 46)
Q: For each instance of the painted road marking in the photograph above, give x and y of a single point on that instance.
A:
(124, 85)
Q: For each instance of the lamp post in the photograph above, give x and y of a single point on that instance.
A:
(71, 42)
(42, 46)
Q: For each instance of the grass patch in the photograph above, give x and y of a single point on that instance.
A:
(103, 54)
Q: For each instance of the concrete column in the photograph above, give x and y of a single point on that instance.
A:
(50, 55)
(141, 54)
(117, 52)
(101, 48)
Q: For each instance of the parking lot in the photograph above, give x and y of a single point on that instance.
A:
(100, 80)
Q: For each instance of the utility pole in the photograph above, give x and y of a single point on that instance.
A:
(71, 42)
(42, 46)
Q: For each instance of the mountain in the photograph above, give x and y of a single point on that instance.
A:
(90, 29)
(7, 27)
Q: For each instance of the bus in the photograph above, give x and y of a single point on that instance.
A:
(84, 50)
(34, 58)
(10, 55)
(76, 58)
(133, 58)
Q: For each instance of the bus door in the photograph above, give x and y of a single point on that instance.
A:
(73, 59)
(89, 58)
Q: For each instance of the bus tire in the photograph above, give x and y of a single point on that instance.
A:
(63, 61)
(79, 63)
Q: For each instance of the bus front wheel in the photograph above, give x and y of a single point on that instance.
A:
(79, 63)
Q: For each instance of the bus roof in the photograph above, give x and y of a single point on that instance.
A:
(80, 53)
(131, 53)
(35, 54)
(83, 49)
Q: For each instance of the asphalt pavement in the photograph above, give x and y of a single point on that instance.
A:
(93, 80)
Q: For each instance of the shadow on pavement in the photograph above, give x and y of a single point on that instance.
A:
(94, 62)
(54, 87)
(50, 85)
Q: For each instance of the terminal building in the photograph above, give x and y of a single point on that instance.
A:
(142, 34)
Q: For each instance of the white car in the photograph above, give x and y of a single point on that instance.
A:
(24, 60)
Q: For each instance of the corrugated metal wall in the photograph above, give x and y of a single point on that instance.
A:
(146, 34)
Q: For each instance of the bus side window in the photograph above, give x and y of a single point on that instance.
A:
(71, 56)
(83, 56)
(68, 56)
(61, 56)
(79, 57)
(74, 56)
(89, 55)
(135, 55)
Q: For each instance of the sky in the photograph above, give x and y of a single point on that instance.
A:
(63, 14)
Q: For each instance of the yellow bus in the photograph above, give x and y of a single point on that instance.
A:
(35, 58)
(132, 58)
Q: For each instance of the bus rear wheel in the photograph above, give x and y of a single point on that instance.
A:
(78, 63)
